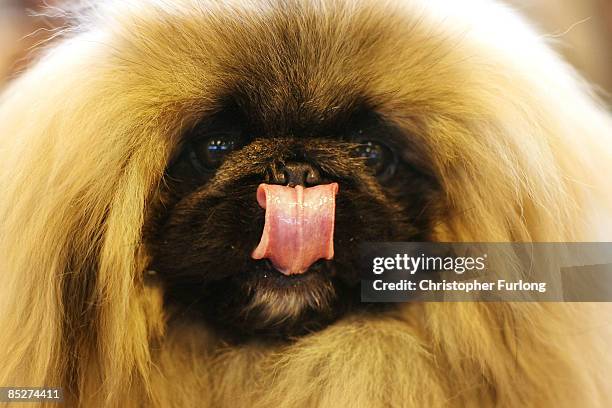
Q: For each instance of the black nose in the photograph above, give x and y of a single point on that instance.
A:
(293, 174)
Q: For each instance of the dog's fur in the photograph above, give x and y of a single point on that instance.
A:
(519, 146)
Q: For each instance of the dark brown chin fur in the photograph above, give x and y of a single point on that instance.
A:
(266, 303)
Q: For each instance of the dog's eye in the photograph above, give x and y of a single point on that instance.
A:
(209, 153)
(378, 157)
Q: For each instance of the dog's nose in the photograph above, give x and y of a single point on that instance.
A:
(294, 174)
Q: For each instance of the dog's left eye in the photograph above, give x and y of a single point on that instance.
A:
(209, 153)
(378, 158)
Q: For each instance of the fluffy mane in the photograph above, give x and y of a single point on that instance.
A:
(521, 147)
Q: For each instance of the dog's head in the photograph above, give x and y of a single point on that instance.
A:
(362, 106)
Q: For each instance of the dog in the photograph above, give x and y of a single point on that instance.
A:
(185, 185)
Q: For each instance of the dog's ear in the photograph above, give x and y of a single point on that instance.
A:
(85, 138)
(79, 167)
(528, 130)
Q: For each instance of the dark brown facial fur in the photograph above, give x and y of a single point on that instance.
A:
(203, 235)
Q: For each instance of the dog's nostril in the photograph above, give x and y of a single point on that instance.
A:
(299, 174)
(312, 177)
(274, 176)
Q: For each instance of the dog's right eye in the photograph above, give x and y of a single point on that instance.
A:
(209, 153)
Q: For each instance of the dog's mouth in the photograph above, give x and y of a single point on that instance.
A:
(269, 277)
(299, 226)
(294, 272)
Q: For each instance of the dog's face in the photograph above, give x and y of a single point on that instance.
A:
(204, 238)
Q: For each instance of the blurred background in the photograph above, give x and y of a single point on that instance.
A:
(580, 29)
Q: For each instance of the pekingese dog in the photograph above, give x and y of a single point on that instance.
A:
(184, 186)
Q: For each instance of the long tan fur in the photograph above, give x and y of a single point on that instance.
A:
(523, 150)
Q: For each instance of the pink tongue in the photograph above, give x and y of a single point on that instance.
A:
(299, 227)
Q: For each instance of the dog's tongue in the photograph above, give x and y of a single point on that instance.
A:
(299, 226)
